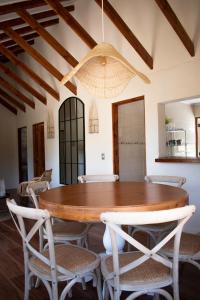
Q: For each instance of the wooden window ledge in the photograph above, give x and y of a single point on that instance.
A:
(176, 159)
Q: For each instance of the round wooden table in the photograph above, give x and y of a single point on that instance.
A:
(85, 202)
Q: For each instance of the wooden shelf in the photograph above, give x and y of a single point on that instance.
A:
(176, 159)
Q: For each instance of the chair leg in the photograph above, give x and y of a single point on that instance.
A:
(99, 288)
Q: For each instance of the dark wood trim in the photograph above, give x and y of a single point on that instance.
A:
(16, 92)
(23, 83)
(71, 21)
(39, 58)
(10, 8)
(115, 106)
(47, 37)
(27, 29)
(175, 159)
(29, 71)
(8, 106)
(37, 16)
(12, 100)
(176, 25)
(126, 32)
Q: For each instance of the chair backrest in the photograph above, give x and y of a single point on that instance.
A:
(177, 181)
(98, 178)
(114, 219)
(34, 188)
(39, 219)
(46, 175)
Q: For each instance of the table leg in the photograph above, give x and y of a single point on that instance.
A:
(107, 242)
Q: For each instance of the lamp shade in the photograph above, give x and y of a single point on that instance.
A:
(104, 71)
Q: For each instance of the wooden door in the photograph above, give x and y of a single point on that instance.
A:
(22, 154)
(38, 149)
(129, 139)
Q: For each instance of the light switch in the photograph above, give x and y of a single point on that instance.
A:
(102, 156)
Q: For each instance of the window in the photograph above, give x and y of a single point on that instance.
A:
(71, 140)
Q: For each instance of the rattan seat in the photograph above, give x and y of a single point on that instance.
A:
(189, 246)
(150, 272)
(80, 259)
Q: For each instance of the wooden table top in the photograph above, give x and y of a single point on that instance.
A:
(85, 202)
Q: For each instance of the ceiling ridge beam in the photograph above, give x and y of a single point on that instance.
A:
(13, 7)
(41, 15)
(126, 32)
(27, 29)
(71, 21)
(47, 37)
(12, 100)
(38, 57)
(29, 71)
(23, 83)
(176, 25)
(8, 106)
(8, 86)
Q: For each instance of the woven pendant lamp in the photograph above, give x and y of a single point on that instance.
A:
(104, 71)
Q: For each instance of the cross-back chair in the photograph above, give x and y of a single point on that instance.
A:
(145, 270)
(98, 178)
(63, 231)
(156, 231)
(57, 263)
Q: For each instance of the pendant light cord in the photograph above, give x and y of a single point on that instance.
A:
(102, 22)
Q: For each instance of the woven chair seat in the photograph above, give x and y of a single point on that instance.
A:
(150, 272)
(190, 245)
(75, 259)
(69, 228)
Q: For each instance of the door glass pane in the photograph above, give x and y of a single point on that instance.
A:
(80, 129)
(62, 173)
(74, 173)
(62, 152)
(68, 153)
(73, 108)
(62, 114)
(74, 152)
(67, 110)
(81, 152)
(81, 169)
(67, 130)
(68, 173)
(79, 109)
(74, 133)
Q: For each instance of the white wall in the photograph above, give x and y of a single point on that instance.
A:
(175, 76)
(8, 148)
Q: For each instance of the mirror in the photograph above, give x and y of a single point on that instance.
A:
(181, 136)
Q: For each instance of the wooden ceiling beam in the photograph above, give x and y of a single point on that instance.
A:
(10, 8)
(47, 37)
(71, 21)
(126, 32)
(39, 58)
(176, 25)
(27, 29)
(12, 100)
(23, 83)
(41, 15)
(27, 37)
(8, 106)
(16, 47)
(29, 71)
(16, 92)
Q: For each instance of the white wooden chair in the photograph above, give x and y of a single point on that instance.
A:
(156, 231)
(98, 178)
(57, 263)
(146, 270)
(63, 231)
(189, 249)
